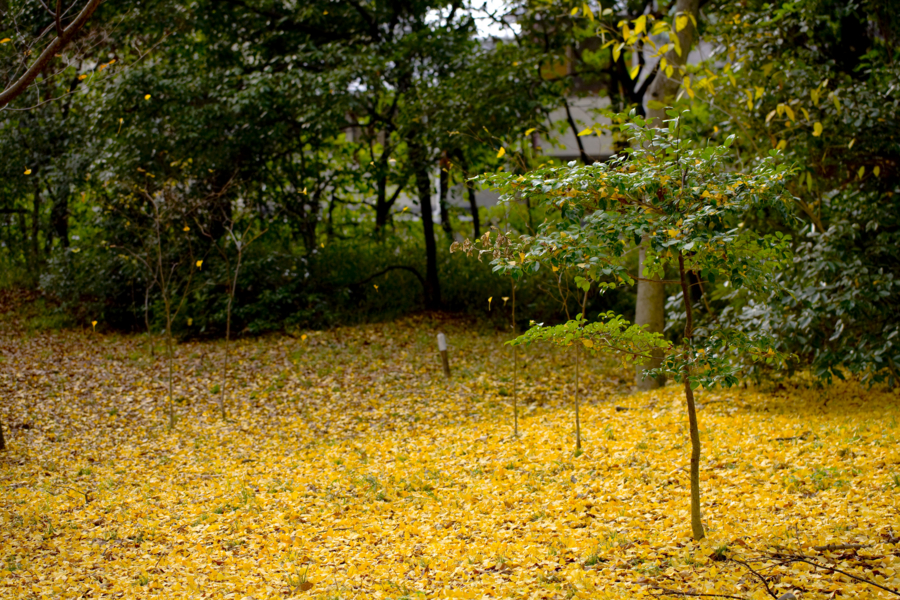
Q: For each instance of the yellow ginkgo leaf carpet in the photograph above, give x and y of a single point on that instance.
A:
(350, 468)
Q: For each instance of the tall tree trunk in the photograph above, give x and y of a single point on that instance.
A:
(231, 292)
(382, 208)
(470, 193)
(59, 217)
(473, 208)
(329, 230)
(443, 192)
(310, 220)
(23, 232)
(515, 367)
(650, 312)
(2, 439)
(36, 230)
(419, 160)
(651, 296)
(696, 523)
(170, 352)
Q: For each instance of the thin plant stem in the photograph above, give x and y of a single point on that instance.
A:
(577, 413)
(696, 524)
(234, 281)
(515, 367)
(577, 382)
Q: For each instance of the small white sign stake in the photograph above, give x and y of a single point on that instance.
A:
(442, 348)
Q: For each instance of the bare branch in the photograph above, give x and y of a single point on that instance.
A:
(57, 17)
(667, 592)
(394, 268)
(65, 36)
(757, 574)
(789, 558)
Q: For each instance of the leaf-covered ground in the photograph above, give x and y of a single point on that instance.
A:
(353, 469)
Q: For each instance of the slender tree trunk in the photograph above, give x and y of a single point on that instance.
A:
(473, 208)
(2, 439)
(382, 208)
(310, 221)
(147, 321)
(36, 230)
(696, 523)
(237, 270)
(574, 126)
(577, 398)
(443, 192)
(23, 230)
(423, 184)
(470, 193)
(515, 367)
(170, 359)
(577, 407)
(330, 229)
(59, 217)
(651, 297)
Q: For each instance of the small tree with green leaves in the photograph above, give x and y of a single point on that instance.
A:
(686, 205)
(156, 227)
(240, 238)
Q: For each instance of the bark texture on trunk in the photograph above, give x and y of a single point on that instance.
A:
(649, 311)
(651, 296)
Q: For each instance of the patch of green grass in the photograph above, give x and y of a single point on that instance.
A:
(594, 557)
(220, 510)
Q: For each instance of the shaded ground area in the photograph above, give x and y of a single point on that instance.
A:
(352, 469)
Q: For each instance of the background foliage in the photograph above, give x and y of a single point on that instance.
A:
(342, 130)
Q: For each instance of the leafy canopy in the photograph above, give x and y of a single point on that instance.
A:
(685, 202)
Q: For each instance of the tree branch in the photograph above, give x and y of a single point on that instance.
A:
(395, 268)
(63, 38)
(58, 18)
(667, 592)
(758, 575)
(789, 558)
(584, 156)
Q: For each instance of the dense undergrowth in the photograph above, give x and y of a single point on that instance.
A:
(281, 289)
(350, 468)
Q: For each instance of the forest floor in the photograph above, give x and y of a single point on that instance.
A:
(350, 467)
